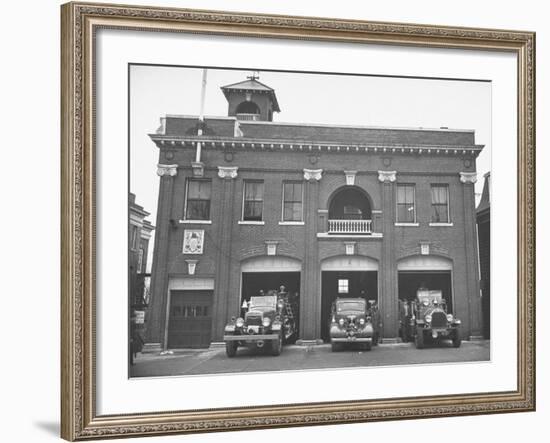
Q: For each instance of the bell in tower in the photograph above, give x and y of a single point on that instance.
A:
(251, 100)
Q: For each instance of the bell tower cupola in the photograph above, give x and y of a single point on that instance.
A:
(251, 100)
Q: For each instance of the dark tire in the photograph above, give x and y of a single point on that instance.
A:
(457, 340)
(419, 339)
(335, 347)
(375, 339)
(276, 346)
(231, 348)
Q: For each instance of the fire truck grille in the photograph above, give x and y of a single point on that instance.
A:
(254, 320)
(439, 319)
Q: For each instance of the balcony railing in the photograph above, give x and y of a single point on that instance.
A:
(350, 226)
(250, 117)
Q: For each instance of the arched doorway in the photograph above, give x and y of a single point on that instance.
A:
(429, 271)
(271, 272)
(346, 276)
(349, 212)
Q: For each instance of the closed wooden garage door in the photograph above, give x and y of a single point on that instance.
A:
(190, 320)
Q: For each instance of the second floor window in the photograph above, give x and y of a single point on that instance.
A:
(440, 204)
(197, 205)
(406, 210)
(140, 261)
(253, 200)
(292, 201)
(134, 238)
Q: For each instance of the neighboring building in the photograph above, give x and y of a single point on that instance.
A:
(484, 236)
(138, 247)
(324, 210)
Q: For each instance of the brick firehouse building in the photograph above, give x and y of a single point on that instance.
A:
(246, 203)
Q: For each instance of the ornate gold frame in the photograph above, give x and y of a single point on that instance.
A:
(79, 420)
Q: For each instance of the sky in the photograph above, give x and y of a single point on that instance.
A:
(303, 98)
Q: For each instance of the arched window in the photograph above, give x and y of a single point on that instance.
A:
(349, 204)
(248, 108)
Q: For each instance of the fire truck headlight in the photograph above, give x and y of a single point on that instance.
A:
(428, 318)
(449, 318)
(266, 322)
(239, 322)
(341, 322)
(361, 321)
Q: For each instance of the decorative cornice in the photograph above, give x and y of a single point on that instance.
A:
(468, 177)
(387, 176)
(256, 144)
(167, 170)
(313, 174)
(227, 171)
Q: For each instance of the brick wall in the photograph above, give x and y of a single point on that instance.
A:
(228, 243)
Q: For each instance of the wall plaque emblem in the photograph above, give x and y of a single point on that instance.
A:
(193, 241)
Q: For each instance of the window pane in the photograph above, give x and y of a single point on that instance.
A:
(409, 194)
(343, 286)
(288, 192)
(253, 210)
(292, 206)
(440, 203)
(401, 194)
(292, 212)
(293, 192)
(253, 201)
(254, 191)
(198, 210)
(440, 214)
(297, 192)
(405, 213)
(405, 194)
(405, 204)
(199, 189)
(439, 194)
(133, 243)
(198, 200)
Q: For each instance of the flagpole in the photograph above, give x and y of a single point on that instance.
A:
(201, 115)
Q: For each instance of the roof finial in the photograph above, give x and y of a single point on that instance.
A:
(255, 75)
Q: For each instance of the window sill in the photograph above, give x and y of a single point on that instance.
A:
(291, 223)
(196, 222)
(250, 222)
(326, 235)
(406, 224)
(441, 224)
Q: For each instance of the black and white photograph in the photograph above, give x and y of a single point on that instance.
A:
(283, 221)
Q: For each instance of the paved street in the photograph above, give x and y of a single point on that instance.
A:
(214, 361)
